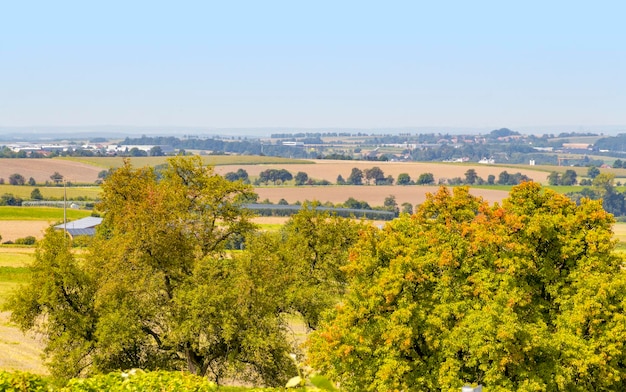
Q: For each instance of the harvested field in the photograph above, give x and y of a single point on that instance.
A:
(85, 170)
(10, 230)
(324, 169)
(19, 352)
(270, 220)
(41, 169)
(216, 160)
(373, 195)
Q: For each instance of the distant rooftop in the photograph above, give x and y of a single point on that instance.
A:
(84, 226)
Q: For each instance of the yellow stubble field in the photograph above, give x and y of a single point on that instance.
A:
(324, 169)
(373, 195)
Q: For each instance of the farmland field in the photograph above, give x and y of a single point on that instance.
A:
(41, 169)
(52, 192)
(217, 160)
(20, 222)
(86, 169)
(330, 169)
(373, 195)
(51, 214)
(19, 351)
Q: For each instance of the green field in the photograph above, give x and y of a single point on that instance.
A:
(216, 160)
(40, 213)
(12, 269)
(269, 226)
(52, 192)
(10, 279)
(15, 256)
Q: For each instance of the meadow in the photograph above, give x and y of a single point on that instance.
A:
(53, 214)
(52, 192)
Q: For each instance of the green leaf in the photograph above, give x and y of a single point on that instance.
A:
(322, 383)
(294, 382)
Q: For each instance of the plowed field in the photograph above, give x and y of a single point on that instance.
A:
(42, 169)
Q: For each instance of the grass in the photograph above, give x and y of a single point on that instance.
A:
(10, 279)
(216, 160)
(13, 271)
(15, 257)
(563, 189)
(52, 192)
(270, 226)
(40, 213)
(581, 171)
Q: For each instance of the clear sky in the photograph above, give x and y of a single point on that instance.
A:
(313, 64)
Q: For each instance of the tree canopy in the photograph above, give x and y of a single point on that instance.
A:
(156, 290)
(355, 177)
(523, 296)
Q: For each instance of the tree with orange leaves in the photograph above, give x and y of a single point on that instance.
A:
(523, 296)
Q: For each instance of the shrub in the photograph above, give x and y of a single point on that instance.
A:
(20, 381)
(36, 194)
(29, 240)
(9, 199)
(138, 380)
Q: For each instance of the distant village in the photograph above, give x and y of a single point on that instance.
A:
(499, 146)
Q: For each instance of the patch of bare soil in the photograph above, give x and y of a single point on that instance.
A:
(10, 230)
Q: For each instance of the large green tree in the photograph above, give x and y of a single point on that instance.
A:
(59, 304)
(156, 289)
(523, 296)
(315, 247)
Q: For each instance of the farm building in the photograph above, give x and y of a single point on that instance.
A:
(84, 226)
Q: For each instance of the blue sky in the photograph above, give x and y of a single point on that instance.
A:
(315, 64)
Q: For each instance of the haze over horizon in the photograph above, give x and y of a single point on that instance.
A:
(324, 65)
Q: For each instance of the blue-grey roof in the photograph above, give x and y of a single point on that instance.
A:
(75, 232)
(84, 226)
(84, 223)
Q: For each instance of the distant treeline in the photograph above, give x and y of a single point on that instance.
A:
(243, 146)
(315, 134)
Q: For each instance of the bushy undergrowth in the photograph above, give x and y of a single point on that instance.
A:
(135, 380)
(22, 382)
(138, 380)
